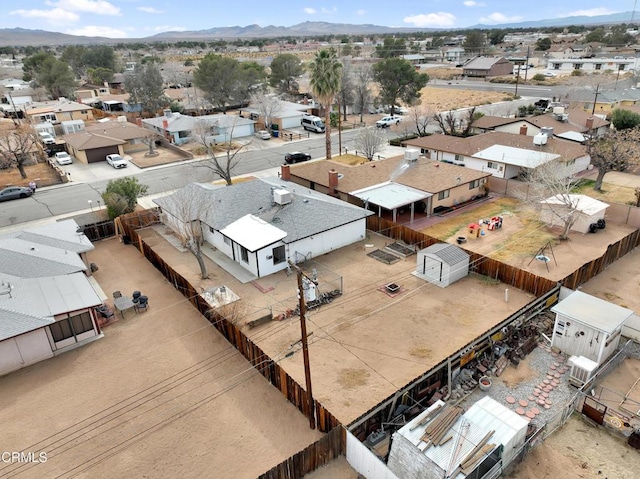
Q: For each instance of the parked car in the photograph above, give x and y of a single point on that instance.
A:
(46, 138)
(549, 74)
(296, 157)
(63, 158)
(15, 192)
(117, 161)
(388, 121)
(312, 123)
(263, 134)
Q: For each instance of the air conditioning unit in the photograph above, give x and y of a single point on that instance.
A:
(540, 139)
(281, 197)
(411, 155)
(582, 370)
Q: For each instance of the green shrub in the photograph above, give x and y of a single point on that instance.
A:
(539, 77)
(577, 73)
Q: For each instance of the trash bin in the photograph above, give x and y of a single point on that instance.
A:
(275, 133)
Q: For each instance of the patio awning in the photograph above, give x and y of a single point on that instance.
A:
(253, 233)
(390, 195)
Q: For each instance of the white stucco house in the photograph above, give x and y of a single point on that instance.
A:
(504, 155)
(219, 128)
(46, 295)
(262, 225)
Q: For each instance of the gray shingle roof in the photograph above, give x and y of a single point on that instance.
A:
(303, 217)
(448, 253)
(178, 122)
(14, 323)
(26, 259)
(62, 234)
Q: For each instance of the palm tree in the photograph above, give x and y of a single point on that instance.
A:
(325, 72)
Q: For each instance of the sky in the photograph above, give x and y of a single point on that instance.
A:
(143, 18)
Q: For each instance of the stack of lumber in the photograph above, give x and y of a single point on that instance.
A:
(473, 458)
(436, 432)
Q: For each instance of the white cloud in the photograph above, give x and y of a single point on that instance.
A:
(592, 12)
(97, 7)
(471, 3)
(309, 11)
(95, 31)
(329, 11)
(54, 15)
(439, 19)
(361, 12)
(499, 18)
(150, 10)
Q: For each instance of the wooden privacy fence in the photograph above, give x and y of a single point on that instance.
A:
(614, 252)
(261, 361)
(321, 452)
(507, 274)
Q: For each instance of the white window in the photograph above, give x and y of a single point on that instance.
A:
(492, 165)
(443, 194)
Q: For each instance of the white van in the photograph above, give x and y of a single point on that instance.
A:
(46, 138)
(312, 123)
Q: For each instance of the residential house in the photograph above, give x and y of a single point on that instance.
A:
(601, 103)
(57, 111)
(287, 115)
(453, 54)
(504, 155)
(103, 138)
(408, 183)
(261, 225)
(414, 58)
(219, 128)
(192, 100)
(46, 297)
(485, 67)
(570, 124)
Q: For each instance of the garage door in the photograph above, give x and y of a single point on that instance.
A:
(100, 154)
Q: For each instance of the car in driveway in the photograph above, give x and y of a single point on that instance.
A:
(387, 121)
(296, 157)
(263, 134)
(15, 192)
(549, 74)
(63, 158)
(117, 161)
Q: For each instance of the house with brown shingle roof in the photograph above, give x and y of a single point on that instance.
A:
(504, 155)
(484, 67)
(569, 124)
(410, 183)
(104, 138)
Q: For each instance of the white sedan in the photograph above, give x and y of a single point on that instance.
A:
(117, 161)
(63, 158)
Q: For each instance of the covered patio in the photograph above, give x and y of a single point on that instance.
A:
(393, 197)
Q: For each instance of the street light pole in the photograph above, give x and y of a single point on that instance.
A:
(305, 347)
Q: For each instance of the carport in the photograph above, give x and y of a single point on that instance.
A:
(392, 196)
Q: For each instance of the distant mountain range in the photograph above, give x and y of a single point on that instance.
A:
(24, 37)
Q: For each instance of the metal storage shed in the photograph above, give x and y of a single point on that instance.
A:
(587, 210)
(588, 326)
(442, 264)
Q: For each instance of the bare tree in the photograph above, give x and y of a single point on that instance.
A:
(210, 134)
(268, 107)
(613, 152)
(189, 206)
(346, 93)
(420, 118)
(18, 148)
(456, 124)
(363, 75)
(549, 185)
(149, 139)
(370, 141)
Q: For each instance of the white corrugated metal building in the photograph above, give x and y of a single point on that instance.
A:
(408, 461)
(587, 210)
(442, 264)
(588, 326)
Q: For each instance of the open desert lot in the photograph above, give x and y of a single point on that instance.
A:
(161, 395)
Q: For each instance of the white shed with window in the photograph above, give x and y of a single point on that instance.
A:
(588, 326)
(442, 264)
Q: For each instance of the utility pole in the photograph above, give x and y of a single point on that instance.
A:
(526, 66)
(339, 128)
(595, 100)
(517, 80)
(305, 347)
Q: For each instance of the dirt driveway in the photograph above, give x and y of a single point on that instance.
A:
(161, 395)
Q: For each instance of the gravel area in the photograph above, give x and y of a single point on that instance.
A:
(525, 382)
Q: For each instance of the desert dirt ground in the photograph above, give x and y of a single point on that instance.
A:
(161, 395)
(366, 344)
